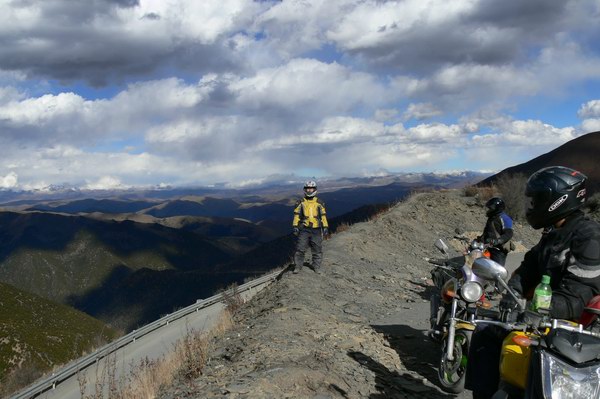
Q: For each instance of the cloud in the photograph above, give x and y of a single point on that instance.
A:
(9, 181)
(590, 109)
(105, 183)
(126, 92)
(421, 111)
(524, 133)
(110, 40)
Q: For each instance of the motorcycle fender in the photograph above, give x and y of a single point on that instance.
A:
(514, 361)
(465, 326)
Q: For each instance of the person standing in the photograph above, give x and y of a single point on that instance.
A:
(309, 226)
(498, 230)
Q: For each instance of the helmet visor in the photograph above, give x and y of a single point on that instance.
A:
(537, 198)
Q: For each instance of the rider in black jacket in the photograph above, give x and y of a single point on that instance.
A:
(498, 230)
(569, 252)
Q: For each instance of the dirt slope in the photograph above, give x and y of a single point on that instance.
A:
(324, 336)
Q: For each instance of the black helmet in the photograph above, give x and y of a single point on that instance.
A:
(495, 206)
(310, 189)
(553, 192)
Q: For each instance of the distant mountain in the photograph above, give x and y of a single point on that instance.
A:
(580, 153)
(92, 205)
(37, 334)
(128, 260)
(255, 208)
(68, 258)
(271, 189)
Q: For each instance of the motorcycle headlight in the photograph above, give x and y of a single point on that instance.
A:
(471, 291)
(561, 380)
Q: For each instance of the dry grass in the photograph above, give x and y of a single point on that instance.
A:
(342, 227)
(512, 190)
(185, 361)
(232, 298)
(19, 379)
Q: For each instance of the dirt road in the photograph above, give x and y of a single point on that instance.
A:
(406, 331)
(357, 330)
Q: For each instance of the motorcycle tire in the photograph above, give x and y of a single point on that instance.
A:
(452, 373)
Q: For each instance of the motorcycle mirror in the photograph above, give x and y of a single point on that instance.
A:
(441, 245)
(489, 270)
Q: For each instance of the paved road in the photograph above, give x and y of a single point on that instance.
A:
(408, 326)
(151, 346)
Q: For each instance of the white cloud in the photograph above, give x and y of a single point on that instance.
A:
(421, 111)
(148, 92)
(591, 125)
(591, 109)
(9, 181)
(314, 86)
(105, 183)
(526, 133)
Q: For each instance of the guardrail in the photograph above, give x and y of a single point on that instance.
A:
(71, 369)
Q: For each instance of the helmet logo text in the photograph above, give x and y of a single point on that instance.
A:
(581, 193)
(558, 203)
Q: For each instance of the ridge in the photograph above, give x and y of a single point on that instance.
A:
(352, 332)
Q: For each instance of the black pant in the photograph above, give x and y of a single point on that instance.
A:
(498, 255)
(483, 364)
(313, 238)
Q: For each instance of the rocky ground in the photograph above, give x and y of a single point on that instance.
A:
(358, 329)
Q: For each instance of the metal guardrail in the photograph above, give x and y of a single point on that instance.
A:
(71, 369)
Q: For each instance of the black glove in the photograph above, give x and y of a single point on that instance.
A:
(509, 307)
(508, 302)
(296, 231)
(325, 231)
(492, 241)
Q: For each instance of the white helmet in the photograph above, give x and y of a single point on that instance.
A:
(310, 189)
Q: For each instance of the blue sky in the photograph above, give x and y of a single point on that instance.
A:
(120, 93)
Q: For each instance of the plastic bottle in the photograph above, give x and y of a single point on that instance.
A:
(542, 296)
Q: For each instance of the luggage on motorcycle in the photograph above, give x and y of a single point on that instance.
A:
(514, 360)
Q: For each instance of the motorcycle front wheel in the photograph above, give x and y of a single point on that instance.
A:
(452, 373)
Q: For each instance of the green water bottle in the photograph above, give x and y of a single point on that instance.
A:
(542, 296)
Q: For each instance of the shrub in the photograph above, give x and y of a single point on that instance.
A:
(485, 193)
(512, 190)
(470, 191)
(592, 206)
(232, 298)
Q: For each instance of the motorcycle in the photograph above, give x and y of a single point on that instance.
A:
(544, 357)
(459, 298)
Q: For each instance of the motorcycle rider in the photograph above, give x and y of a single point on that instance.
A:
(498, 230)
(568, 251)
(309, 225)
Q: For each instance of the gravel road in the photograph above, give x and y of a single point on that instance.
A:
(406, 331)
(357, 330)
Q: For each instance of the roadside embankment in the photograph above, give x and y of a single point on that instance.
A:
(320, 336)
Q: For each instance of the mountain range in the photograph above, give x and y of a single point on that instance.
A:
(127, 257)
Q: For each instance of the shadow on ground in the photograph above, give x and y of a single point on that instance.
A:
(418, 353)
(392, 384)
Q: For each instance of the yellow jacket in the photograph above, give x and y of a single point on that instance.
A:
(310, 212)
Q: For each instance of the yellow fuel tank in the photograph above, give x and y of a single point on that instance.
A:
(514, 360)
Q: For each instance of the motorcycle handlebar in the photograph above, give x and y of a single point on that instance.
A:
(464, 239)
(524, 326)
(489, 313)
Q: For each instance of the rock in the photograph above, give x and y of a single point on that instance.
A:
(358, 330)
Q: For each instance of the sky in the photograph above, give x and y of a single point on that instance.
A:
(108, 94)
